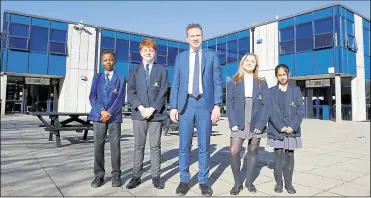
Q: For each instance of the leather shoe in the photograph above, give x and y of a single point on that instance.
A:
(156, 183)
(290, 189)
(182, 188)
(236, 190)
(97, 182)
(206, 190)
(116, 180)
(278, 188)
(134, 182)
(251, 188)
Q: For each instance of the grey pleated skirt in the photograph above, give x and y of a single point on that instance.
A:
(246, 133)
(289, 143)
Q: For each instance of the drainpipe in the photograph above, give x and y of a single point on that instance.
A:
(252, 38)
(96, 50)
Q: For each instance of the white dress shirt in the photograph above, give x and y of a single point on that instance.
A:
(150, 65)
(192, 59)
(248, 81)
(109, 76)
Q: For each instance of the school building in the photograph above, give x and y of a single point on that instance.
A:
(48, 64)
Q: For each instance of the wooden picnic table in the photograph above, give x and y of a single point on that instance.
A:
(56, 125)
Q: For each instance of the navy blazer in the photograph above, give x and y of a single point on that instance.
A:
(236, 105)
(211, 74)
(151, 94)
(295, 113)
(116, 97)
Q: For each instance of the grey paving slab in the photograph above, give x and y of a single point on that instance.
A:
(325, 166)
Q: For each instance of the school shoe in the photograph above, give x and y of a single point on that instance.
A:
(290, 189)
(156, 183)
(97, 182)
(116, 180)
(251, 188)
(134, 182)
(182, 188)
(206, 190)
(236, 190)
(278, 188)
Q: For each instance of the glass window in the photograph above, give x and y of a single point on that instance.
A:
(366, 41)
(134, 46)
(221, 48)
(243, 47)
(222, 59)
(122, 50)
(39, 39)
(232, 51)
(352, 44)
(212, 48)
(161, 60)
(135, 57)
(304, 31)
(18, 43)
(161, 50)
(18, 30)
(287, 34)
(323, 41)
(173, 52)
(287, 47)
(323, 26)
(305, 44)
(57, 48)
(108, 43)
(350, 28)
(58, 35)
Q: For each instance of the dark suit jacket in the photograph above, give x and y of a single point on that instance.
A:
(295, 113)
(115, 100)
(236, 105)
(148, 94)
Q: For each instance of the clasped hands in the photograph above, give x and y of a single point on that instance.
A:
(105, 116)
(287, 130)
(146, 112)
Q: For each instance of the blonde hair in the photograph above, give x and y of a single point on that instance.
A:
(238, 77)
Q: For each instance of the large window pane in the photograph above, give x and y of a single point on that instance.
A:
(18, 43)
(173, 52)
(134, 46)
(108, 43)
(18, 30)
(243, 47)
(304, 44)
(352, 42)
(135, 57)
(39, 39)
(304, 31)
(232, 51)
(212, 48)
(287, 34)
(58, 35)
(57, 48)
(161, 50)
(222, 59)
(122, 50)
(323, 41)
(350, 28)
(287, 47)
(221, 48)
(161, 60)
(323, 26)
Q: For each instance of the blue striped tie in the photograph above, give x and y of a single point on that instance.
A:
(147, 72)
(106, 85)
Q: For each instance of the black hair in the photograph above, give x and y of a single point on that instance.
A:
(284, 66)
(108, 52)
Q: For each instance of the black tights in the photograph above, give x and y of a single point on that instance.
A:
(235, 149)
(289, 168)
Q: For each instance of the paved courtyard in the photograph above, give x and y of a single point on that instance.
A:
(334, 161)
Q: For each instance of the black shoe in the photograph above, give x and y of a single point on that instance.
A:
(134, 182)
(97, 182)
(182, 188)
(156, 183)
(251, 188)
(236, 190)
(278, 188)
(290, 189)
(116, 180)
(206, 190)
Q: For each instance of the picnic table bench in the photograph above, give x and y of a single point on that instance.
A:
(55, 126)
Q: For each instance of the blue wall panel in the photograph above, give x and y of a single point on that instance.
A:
(101, 68)
(231, 69)
(224, 73)
(303, 18)
(59, 25)
(367, 67)
(324, 13)
(3, 59)
(289, 60)
(232, 37)
(122, 69)
(323, 59)
(349, 15)
(174, 44)
(17, 61)
(170, 73)
(40, 22)
(366, 24)
(285, 23)
(244, 34)
(122, 36)
(108, 33)
(20, 19)
(304, 64)
(352, 63)
(134, 37)
(57, 65)
(38, 63)
(337, 60)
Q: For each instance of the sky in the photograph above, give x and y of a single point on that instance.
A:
(169, 19)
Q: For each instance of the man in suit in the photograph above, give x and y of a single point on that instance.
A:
(147, 88)
(196, 96)
(107, 96)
